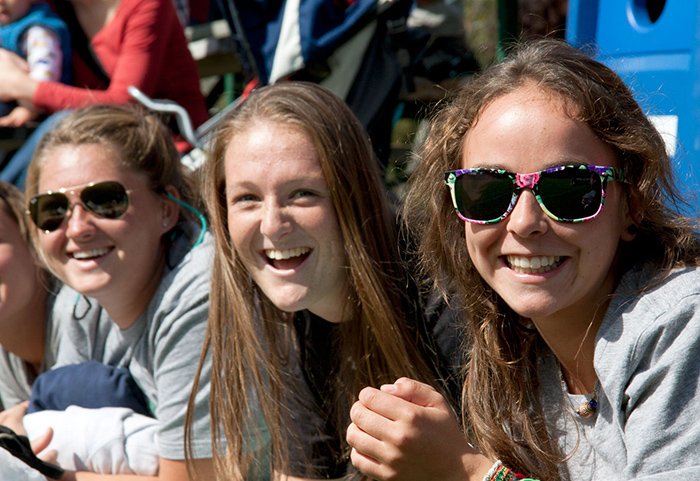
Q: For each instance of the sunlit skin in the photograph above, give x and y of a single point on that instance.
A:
(112, 260)
(282, 221)
(22, 297)
(527, 131)
(13, 10)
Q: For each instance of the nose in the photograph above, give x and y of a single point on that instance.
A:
(527, 217)
(80, 224)
(275, 223)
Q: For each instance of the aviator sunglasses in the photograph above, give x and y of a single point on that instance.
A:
(570, 193)
(109, 200)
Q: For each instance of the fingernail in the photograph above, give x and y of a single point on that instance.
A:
(388, 388)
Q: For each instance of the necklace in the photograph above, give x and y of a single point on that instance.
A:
(587, 408)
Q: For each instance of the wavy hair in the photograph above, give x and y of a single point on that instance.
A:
(504, 415)
(248, 336)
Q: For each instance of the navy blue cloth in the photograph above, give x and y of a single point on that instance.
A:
(89, 384)
(324, 25)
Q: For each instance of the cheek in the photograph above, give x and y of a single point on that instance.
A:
(241, 235)
(49, 246)
(480, 239)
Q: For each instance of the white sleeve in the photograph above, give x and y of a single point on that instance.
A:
(44, 54)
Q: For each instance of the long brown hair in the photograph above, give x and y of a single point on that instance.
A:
(503, 413)
(248, 336)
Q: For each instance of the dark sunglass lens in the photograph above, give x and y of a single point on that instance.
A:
(106, 199)
(48, 210)
(571, 194)
(483, 196)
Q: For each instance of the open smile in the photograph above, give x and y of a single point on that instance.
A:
(287, 259)
(533, 265)
(90, 254)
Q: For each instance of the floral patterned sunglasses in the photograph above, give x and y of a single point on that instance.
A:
(569, 193)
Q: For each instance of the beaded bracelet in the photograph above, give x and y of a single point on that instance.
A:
(500, 473)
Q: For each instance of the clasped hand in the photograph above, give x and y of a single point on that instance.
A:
(407, 431)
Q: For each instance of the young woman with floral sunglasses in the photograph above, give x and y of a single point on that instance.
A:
(545, 196)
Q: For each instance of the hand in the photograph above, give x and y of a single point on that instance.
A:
(15, 83)
(407, 431)
(18, 117)
(12, 418)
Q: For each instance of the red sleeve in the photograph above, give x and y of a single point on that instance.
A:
(132, 49)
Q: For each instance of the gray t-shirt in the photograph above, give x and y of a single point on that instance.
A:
(161, 349)
(15, 378)
(647, 357)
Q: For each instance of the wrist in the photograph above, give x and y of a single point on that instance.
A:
(477, 466)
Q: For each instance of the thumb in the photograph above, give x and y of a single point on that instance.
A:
(414, 392)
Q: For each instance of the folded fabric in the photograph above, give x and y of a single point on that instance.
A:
(89, 384)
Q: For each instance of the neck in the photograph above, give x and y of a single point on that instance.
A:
(93, 15)
(32, 320)
(125, 314)
(572, 340)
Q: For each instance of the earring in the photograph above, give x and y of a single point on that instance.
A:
(633, 229)
(165, 224)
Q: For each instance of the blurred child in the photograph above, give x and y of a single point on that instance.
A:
(38, 35)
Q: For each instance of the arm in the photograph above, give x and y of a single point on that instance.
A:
(407, 431)
(141, 46)
(44, 60)
(658, 407)
(170, 470)
(15, 83)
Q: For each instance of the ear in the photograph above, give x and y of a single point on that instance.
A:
(631, 222)
(170, 209)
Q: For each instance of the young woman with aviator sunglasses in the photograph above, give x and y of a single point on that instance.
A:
(114, 223)
(579, 276)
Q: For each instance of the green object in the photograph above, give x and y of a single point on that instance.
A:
(508, 27)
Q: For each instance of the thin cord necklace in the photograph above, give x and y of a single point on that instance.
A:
(587, 408)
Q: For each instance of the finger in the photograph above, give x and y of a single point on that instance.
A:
(385, 404)
(42, 442)
(370, 421)
(50, 456)
(368, 465)
(414, 392)
(371, 456)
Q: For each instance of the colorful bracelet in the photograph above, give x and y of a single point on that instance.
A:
(506, 474)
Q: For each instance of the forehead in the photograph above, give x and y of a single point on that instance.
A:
(531, 129)
(71, 165)
(272, 149)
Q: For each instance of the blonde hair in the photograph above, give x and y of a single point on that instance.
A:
(504, 415)
(248, 336)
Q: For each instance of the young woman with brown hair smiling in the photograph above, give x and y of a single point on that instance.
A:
(310, 301)
(581, 284)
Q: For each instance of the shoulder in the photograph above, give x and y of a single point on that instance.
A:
(647, 324)
(190, 258)
(648, 306)
(183, 292)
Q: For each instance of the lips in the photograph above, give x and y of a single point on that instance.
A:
(90, 254)
(288, 258)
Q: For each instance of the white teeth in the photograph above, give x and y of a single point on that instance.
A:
(89, 254)
(286, 254)
(534, 265)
